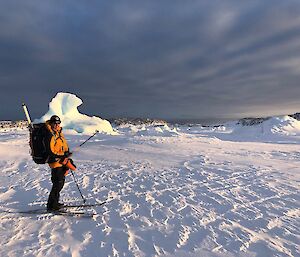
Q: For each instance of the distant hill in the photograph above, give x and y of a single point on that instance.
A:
(256, 121)
(23, 124)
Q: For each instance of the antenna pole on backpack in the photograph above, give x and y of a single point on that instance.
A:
(27, 115)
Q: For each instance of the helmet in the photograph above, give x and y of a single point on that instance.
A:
(55, 119)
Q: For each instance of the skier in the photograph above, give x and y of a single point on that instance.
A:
(58, 160)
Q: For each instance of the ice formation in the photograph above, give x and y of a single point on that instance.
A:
(65, 106)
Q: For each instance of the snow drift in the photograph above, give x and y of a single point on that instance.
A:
(285, 125)
(281, 125)
(65, 106)
(285, 128)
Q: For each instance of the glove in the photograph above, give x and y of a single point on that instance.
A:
(64, 158)
(67, 154)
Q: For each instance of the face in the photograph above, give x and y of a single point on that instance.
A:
(55, 127)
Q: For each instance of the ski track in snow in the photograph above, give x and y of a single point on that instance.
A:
(188, 195)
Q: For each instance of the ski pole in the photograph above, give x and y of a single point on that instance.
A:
(89, 138)
(84, 200)
(77, 147)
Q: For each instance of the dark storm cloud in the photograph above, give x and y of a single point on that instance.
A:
(166, 59)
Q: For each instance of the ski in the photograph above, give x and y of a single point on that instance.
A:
(44, 211)
(33, 211)
(63, 210)
(73, 213)
(82, 205)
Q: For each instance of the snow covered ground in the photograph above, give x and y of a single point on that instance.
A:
(172, 192)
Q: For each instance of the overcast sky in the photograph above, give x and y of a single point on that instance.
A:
(204, 59)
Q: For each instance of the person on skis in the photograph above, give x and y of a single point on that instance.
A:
(58, 161)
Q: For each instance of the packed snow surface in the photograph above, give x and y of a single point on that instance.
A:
(185, 191)
(65, 106)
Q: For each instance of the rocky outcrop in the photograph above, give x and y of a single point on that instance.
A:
(296, 116)
(251, 121)
(138, 121)
(8, 125)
